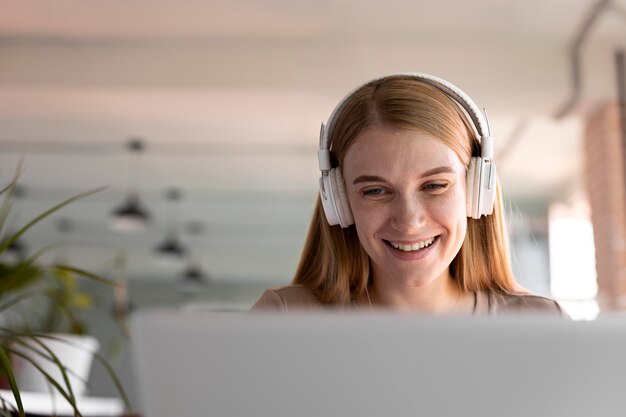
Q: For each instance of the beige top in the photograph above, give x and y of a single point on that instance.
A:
(300, 298)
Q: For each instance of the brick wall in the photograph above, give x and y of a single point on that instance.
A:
(606, 186)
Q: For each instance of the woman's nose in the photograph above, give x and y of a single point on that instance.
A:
(408, 213)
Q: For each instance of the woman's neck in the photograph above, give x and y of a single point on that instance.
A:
(442, 296)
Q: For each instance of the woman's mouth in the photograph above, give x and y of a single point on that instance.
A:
(411, 247)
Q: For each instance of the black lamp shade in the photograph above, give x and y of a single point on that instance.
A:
(130, 216)
(195, 275)
(171, 247)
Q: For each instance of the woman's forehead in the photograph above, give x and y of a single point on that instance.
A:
(383, 149)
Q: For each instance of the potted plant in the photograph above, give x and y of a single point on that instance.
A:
(29, 341)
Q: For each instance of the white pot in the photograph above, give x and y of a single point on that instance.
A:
(73, 351)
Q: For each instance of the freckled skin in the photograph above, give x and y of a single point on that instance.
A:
(393, 201)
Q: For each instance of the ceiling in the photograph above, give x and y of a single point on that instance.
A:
(227, 97)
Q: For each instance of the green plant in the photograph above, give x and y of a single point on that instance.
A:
(53, 302)
(28, 280)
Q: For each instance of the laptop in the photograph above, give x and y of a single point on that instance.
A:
(197, 364)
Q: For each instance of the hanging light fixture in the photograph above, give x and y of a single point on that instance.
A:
(171, 246)
(131, 216)
(171, 250)
(193, 275)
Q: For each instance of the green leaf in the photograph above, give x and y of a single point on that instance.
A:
(25, 296)
(9, 189)
(16, 277)
(45, 214)
(45, 352)
(5, 365)
(86, 274)
(115, 379)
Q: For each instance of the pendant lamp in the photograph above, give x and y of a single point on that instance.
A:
(193, 275)
(170, 250)
(131, 216)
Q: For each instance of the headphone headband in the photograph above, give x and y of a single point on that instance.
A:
(478, 116)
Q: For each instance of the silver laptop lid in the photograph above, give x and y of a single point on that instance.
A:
(195, 364)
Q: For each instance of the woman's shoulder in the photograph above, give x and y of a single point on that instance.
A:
(286, 298)
(498, 304)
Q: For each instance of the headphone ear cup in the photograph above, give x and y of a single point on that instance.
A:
(473, 188)
(334, 199)
(341, 197)
(327, 199)
(481, 188)
(487, 189)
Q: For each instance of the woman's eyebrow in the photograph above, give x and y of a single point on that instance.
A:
(376, 178)
(368, 178)
(438, 170)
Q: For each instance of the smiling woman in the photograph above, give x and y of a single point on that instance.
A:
(410, 214)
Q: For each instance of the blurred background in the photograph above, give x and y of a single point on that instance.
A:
(202, 118)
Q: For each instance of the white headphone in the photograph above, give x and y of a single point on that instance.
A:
(481, 172)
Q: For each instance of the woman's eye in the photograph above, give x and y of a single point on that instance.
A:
(436, 186)
(374, 192)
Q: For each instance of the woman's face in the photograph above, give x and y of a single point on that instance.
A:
(407, 194)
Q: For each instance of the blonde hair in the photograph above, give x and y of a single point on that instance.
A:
(333, 264)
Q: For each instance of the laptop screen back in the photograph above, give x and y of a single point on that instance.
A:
(207, 364)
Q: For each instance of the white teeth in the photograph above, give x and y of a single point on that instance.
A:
(413, 247)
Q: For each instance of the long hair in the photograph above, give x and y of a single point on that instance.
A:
(333, 263)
